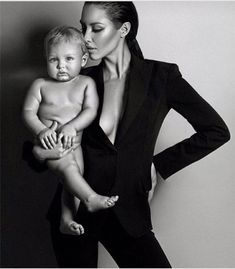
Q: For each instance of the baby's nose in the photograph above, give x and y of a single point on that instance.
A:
(61, 65)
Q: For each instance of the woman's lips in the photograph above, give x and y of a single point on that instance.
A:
(90, 49)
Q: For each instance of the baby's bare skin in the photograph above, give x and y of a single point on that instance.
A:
(64, 103)
(61, 101)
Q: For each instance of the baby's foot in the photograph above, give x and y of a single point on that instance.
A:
(71, 228)
(97, 202)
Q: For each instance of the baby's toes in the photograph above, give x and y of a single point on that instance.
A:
(76, 228)
(81, 229)
(111, 201)
(115, 198)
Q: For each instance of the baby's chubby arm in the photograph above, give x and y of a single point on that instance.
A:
(85, 117)
(31, 105)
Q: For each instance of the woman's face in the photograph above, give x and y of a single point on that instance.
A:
(101, 35)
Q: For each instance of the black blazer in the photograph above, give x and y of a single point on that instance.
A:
(124, 169)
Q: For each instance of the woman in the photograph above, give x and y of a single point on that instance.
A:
(135, 97)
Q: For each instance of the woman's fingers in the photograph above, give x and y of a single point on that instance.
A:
(65, 152)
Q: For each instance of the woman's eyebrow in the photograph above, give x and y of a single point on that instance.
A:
(93, 23)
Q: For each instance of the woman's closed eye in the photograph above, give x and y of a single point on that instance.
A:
(96, 30)
(93, 29)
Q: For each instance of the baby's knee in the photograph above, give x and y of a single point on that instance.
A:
(71, 166)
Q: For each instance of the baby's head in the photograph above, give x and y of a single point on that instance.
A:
(66, 53)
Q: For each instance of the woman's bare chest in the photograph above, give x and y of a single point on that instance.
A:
(112, 106)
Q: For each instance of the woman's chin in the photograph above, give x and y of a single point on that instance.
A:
(94, 57)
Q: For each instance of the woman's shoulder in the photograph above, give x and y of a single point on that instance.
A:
(165, 70)
(161, 64)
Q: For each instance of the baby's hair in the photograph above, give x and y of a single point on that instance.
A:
(64, 33)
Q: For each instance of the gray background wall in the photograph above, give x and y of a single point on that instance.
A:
(193, 211)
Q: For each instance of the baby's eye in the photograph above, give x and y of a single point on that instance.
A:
(69, 58)
(51, 60)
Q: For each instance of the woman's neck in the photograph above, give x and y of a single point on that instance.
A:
(116, 65)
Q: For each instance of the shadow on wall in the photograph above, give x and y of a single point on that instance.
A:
(30, 57)
(26, 195)
(35, 41)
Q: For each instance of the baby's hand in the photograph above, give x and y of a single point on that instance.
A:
(48, 138)
(68, 134)
(72, 228)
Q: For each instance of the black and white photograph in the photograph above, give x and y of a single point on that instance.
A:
(117, 122)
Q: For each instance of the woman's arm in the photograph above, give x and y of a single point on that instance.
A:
(211, 131)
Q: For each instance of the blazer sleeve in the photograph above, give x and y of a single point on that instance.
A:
(210, 130)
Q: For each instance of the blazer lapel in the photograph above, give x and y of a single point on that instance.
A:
(137, 87)
(97, 74)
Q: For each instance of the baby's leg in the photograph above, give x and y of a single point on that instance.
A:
(69, 207)
(71, 169)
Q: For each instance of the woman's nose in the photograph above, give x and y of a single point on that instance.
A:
(87, 36)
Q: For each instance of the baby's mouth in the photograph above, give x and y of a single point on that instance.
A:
(62, 74)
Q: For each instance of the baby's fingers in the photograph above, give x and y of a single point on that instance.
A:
(51, 142)
(54, 137)
(73, 141)
(69, 142)
(44, 144)
(60, 136)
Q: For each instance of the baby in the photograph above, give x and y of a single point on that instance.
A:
(58, 108)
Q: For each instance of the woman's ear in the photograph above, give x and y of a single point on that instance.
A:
(125, 29)
(84, 59)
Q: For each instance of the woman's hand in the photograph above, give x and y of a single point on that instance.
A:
(154, 177)
(56, 153)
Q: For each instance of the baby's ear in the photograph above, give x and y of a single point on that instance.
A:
(84, 59)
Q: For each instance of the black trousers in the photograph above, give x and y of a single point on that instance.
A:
(128, 252)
